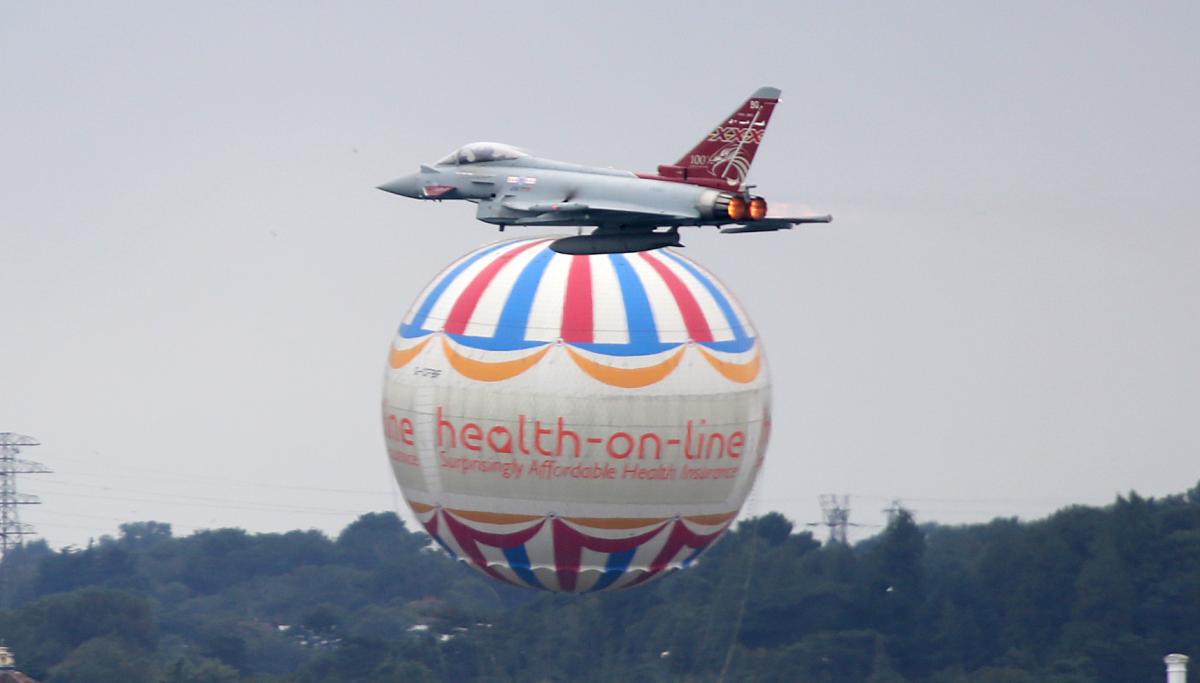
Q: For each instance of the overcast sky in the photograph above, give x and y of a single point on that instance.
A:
(200, 282)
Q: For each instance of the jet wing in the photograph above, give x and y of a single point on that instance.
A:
(589, 206)
(773, 223)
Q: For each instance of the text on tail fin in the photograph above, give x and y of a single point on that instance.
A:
(722, 159)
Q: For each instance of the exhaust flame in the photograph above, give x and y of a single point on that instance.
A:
(758, 208)
(737, 208)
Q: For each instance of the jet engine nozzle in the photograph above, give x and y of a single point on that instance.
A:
(736, 209)
(757, 208)
(722, 206)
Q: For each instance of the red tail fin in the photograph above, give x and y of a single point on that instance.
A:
(723, 157)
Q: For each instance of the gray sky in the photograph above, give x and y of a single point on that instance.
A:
(200, 281)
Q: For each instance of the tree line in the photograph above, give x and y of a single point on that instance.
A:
(1088, 594)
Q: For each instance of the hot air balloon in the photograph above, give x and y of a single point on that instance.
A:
(575, 422)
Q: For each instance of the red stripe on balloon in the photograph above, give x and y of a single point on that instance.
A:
(577, 323)
(569, 545)
(693, 317)
(469, 538)
(679, 538)
(464, 308)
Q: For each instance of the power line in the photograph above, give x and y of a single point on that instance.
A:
(836, 512)
(150, 473)
(893, 510)
(173, 500)
(11, 528)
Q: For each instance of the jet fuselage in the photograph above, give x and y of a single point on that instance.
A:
(533, 191)
(705, 187)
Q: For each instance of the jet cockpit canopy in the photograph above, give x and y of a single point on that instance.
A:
(477, 152)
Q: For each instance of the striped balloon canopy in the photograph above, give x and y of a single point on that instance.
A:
(575, 422)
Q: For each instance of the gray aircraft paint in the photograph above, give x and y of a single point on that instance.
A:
(511, 187)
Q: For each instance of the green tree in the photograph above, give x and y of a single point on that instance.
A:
(46, 631)
(105, 660)
(324, 618)
(144, 534)
(895, 591)
(193, 669)
(773, 527)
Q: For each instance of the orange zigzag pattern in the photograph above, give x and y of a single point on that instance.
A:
(742, 373)
(398, 358)
(490, 372)
(628, 378)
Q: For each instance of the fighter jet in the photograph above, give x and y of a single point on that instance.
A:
(707, 186)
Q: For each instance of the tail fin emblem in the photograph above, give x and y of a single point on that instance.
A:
(724, 156)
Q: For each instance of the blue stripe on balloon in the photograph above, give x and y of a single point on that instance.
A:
(438, 538)
(687, 561)
(642, 349)
(645, 349)
(614, 569)
(427, 305)
(494, 343)
(513, 325)
(730, 345)
(739, 333)
(409, 331)
(643, 332)
(518, 561)
(514, 319)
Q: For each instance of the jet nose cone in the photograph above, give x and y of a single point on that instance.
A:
(407, 186)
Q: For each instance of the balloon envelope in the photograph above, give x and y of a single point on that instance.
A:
(575, 423)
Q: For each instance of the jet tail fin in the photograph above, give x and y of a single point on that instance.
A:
(722, 159)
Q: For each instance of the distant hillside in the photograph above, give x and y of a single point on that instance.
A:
(1088, 594)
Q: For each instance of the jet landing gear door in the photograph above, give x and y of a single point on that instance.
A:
(493, 211)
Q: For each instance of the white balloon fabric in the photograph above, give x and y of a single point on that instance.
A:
(575, 423)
